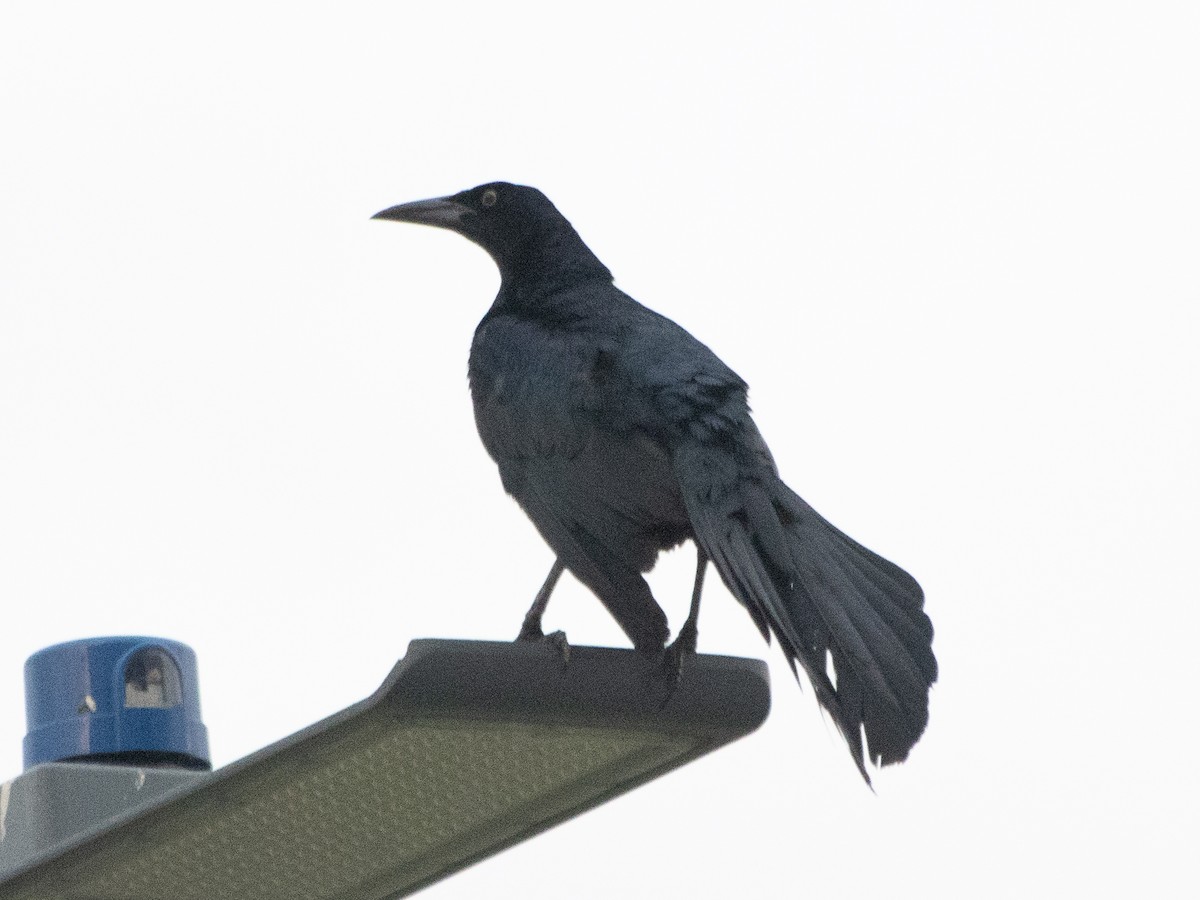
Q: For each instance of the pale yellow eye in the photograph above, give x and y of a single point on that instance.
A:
(488, 198)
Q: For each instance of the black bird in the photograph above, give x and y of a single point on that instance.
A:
(621, 435)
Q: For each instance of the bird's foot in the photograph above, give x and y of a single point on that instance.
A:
(674, 654)
(556, 639)
(531, 631)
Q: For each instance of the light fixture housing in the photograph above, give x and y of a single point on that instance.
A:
(467, 748)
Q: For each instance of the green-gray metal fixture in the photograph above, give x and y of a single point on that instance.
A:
(467, 748)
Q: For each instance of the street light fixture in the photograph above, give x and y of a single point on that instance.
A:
(467, 748)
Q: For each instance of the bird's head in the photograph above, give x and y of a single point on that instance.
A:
(521, 230)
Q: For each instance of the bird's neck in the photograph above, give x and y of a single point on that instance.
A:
(547, 264)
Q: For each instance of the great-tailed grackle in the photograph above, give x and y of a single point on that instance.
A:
(621, 435)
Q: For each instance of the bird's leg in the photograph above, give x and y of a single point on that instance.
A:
(531, 628)
(685, 642)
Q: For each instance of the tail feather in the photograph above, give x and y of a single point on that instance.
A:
(738, 563)
(820, 593)
(893, 702)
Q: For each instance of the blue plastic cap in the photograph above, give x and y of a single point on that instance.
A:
(116, 699)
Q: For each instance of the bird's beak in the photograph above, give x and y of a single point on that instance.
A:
(441, 212)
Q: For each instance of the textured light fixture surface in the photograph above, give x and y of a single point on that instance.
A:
(467, 748)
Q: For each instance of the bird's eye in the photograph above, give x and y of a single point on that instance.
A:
(488, 198)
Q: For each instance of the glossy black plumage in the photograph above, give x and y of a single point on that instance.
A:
(621, 435)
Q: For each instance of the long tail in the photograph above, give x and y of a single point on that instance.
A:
(819, 592)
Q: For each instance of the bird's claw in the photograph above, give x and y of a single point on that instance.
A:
(530, 632)
(674, 654)
(556, 639)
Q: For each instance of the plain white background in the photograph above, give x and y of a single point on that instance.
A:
(952, 247)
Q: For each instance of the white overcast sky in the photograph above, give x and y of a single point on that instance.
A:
(952, 246)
